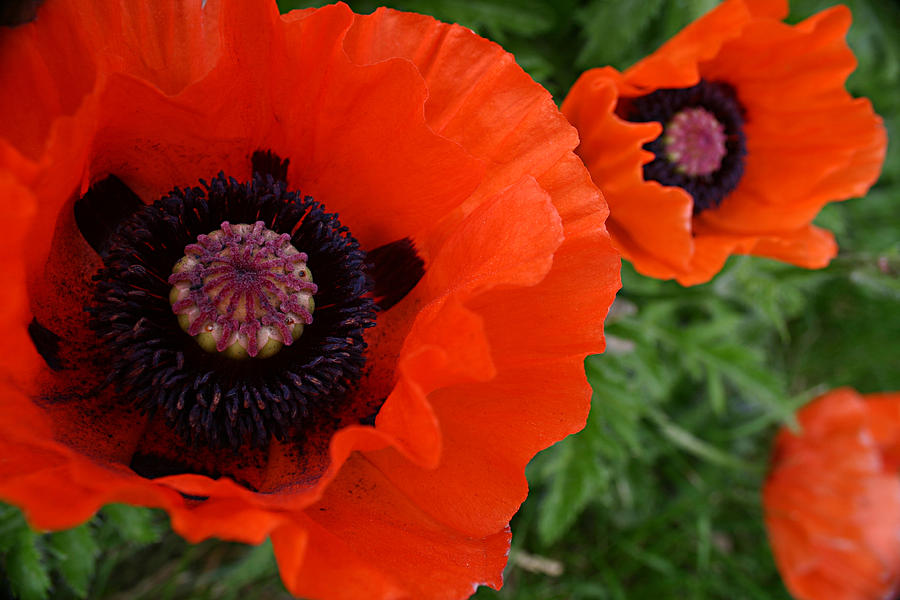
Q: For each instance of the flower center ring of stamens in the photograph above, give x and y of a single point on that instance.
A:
(243, 290)
(703, 145)
(242, 280)
(695, 141)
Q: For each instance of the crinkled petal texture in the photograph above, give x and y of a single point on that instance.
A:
(406, 127)
(808, 141)
(832, 499)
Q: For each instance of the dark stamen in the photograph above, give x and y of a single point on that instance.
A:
(395, 270)
(100, 211)
(269, 163)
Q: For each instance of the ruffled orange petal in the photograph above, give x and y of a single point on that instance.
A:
(53, 71)
(812, 145)
(316, 563)
(497, 471)
(153, 143)
(884, 424)
(477, 493)
(169, 45)
(490, 253)
(477, 95)
(151, 42)
(21, 361)
(810, 247)
(642, 215)
(362, 134)
(32, 480)
(675, 64)
(444, 491)
(365, 520)
(832, 508)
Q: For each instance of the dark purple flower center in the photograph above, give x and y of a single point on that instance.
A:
(238, 291)
(227, 255)
(702, 146)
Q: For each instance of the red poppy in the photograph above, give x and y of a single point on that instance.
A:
(457, 289)
(832, 499)
(729, 139)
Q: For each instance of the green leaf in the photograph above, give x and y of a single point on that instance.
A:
(577, 474)
(715, 389)
(12, 525)
(131, 523)
(496, 18)
(256, 565)
(611, 29)
(25, 568)
(691, 443)
(876, 283)
(76, 553)
(654, 561)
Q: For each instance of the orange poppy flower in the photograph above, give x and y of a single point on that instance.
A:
(365, 388)
(832, 499)
(729, 139)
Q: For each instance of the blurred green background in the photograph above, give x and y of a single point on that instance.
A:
(659, 496)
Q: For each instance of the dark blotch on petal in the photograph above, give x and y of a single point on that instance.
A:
(18, 12)
(46, 343)
(268, 163)
(152, 467)
(100, 211)
(369, 419)
(395, 270)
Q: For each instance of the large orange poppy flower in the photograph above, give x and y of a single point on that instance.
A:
(728, 139)
(395, 191)
(832, 499)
